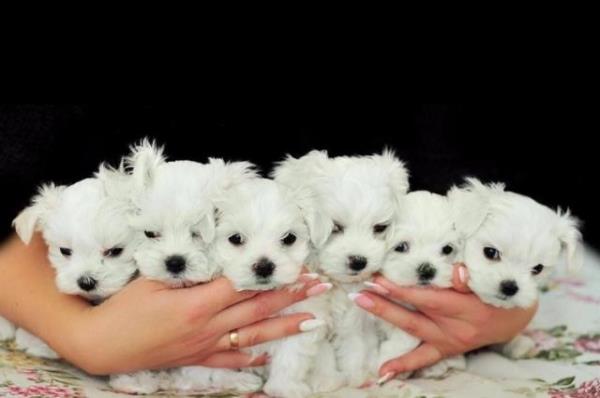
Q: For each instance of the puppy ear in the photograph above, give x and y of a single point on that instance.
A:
(294, 172)
(116, 181)
(319, 225)
(570, 239)
(143, 161)
(471, 204)
(397, 171)
(206, 227)
(229, 174)
(32, 218)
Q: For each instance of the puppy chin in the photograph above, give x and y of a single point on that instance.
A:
(350, 278)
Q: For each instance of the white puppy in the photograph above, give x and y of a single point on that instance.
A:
(511, 242)
(353, 203)
(89, 243)
(174, 210)
(262, 243)
(424, 247)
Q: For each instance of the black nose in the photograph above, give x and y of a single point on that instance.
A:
(509, 288)
(426, 272)
(357, 263)
(87, 283)
(175, 264)
(263, 268)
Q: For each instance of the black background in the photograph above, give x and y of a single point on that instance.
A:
(547, 151)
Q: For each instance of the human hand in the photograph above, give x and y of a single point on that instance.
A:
(148, 326)
(449, 322)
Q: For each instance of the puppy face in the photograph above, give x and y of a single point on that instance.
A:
(511, 242)
(349, 208)
(90, 244)
(424, 242)
(175, 213)
(262, 240)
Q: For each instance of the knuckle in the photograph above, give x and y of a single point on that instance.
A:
(254, 337)
(262, 307)
(411, 326)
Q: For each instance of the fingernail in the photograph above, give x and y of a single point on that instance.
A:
(362, 300)
(377, 288)
(318, 289)
(308, 277)
(310, 324)
(462, 274)
(385, 378)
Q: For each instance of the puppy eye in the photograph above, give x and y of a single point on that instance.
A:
(337, 228)
(537, 269)
(289, 239)
(66, 251)
(379, 228)
(447, 250)
(151, 234)
(402, 247)
(236, 239)
(491, 254)
(113, 252)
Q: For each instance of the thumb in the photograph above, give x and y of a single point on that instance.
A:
(460, 278)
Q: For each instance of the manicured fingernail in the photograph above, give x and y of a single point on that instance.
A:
(385, 378)
(318, 289)
(377, 288)
(310, 324)
(462, 274)
(308, 277)
(362, 300)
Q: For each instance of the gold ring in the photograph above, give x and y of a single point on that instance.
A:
(234, 340)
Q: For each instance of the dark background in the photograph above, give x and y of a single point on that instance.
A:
(547, 151)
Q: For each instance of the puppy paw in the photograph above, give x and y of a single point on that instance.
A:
(135, 383)
(33, 345)
(321, 383)
(7, 330)
(244, 383)
(287, 389)
(518, 348)
(435, 371)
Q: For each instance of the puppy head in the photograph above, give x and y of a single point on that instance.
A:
(262, 240)
(89, 242)
(511, 242)
(351, 204)
(175, 212)
(424, 242)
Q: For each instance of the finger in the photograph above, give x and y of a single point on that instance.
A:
(460, 278)
(216, 295)
(413, 323)
(420, 357)
(270, 329)
(264, 305)
(427, 300)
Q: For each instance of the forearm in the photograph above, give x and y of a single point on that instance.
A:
(28, 295)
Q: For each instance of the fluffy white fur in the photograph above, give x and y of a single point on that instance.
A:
(89, 243)
(262, 216)
(351, 204)
(424, 246)
(174, 210)
(522, 233)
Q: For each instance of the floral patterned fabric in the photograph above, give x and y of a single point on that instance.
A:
(564, 364)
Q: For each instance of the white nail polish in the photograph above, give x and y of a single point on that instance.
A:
(385, 378)
(311, 324)
(310, 275)
(353, 296)
(376, 287)
(461, 274)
